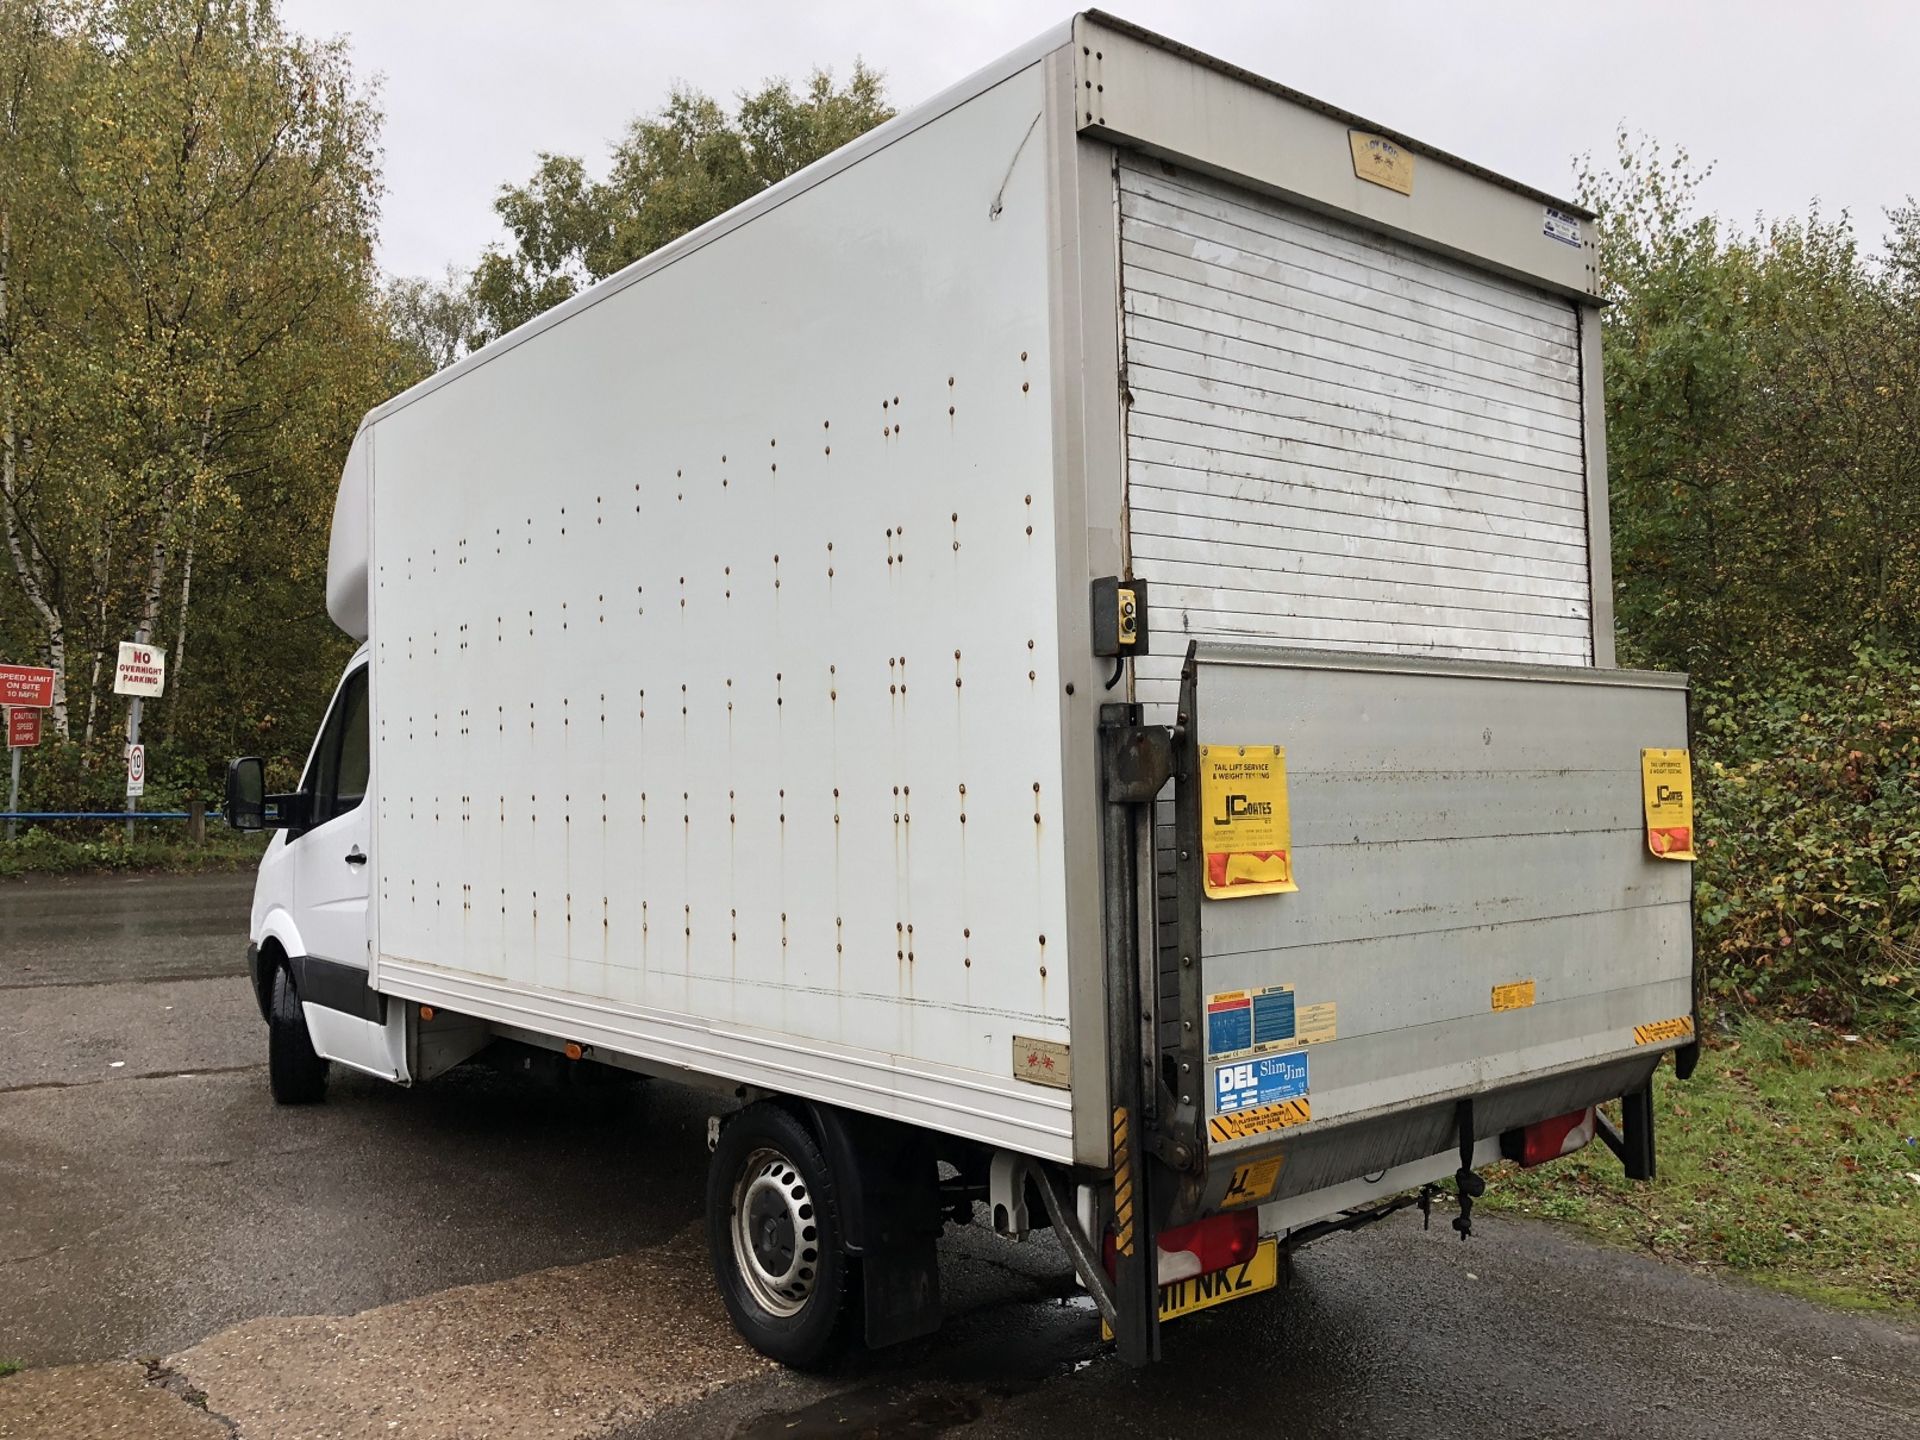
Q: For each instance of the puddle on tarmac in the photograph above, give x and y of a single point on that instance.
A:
(989, 1355)
(875, 1413)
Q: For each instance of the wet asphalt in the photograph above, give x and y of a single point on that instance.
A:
(151, 1197)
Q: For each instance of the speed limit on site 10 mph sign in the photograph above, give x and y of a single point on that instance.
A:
(28, 685)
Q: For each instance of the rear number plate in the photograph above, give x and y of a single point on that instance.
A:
(1203, 1292)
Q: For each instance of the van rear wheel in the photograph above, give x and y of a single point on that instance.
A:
(774, 1231)
(295, 1070)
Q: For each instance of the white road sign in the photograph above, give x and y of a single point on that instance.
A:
(136, 771)
(142, 669)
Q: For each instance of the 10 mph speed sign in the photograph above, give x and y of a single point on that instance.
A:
(136, 771)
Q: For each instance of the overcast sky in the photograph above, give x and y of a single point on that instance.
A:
(1794, 99)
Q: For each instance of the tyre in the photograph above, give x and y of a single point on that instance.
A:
(774, 1229)
(296, 1073)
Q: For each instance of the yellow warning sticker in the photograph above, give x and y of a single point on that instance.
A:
(1242, 1123)
(1678, 1028)
(1516, 996)
(1251, 1184)
(1314, 1024)
(1666, 783)
(1381, 161)
(1246, 832)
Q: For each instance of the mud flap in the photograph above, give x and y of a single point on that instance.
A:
(890, 1209)
(901, 1292)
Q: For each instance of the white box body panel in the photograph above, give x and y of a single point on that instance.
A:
(716, 651)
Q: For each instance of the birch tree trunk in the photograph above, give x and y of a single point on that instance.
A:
(177, 669)
(186, 570)
(102, 576)
(33, 582)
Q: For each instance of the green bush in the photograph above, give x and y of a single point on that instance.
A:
(1808, 794)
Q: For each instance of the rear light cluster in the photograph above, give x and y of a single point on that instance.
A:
(1549, 1139)
(1203, 1247)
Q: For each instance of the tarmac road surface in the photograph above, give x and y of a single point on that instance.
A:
(487, 1256)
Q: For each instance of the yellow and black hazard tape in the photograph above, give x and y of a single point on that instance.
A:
(1243, 1123)
(1122, 1183)
(1655, 1031)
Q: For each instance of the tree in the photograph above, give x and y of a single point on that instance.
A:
(433, 320)
(38, 70)
(671, 172)
(190, 331)
(1764, 454)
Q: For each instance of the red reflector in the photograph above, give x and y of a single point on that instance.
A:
(1216, 1242)
(1204, 1246)
(1550, 1139)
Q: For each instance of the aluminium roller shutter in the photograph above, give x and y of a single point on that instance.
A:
(1336, 439)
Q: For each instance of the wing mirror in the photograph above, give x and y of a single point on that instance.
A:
(247, 793)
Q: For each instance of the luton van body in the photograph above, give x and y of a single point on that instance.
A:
(1059, 660)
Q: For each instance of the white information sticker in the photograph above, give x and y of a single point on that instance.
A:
(1561, 226)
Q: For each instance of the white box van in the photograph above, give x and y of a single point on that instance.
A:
(1061, 657)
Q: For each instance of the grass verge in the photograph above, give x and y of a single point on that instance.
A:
(1792, 1157)
(40, 851)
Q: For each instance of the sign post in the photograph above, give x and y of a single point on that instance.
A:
(25, 690)
(141, 671)
(23, 732)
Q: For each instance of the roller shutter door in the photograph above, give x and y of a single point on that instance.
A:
(1339, 440)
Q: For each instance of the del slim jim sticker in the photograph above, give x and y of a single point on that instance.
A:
(1244, 829)
(1666, 778)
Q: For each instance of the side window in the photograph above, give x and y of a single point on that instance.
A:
(337, 778)
(350, 780)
